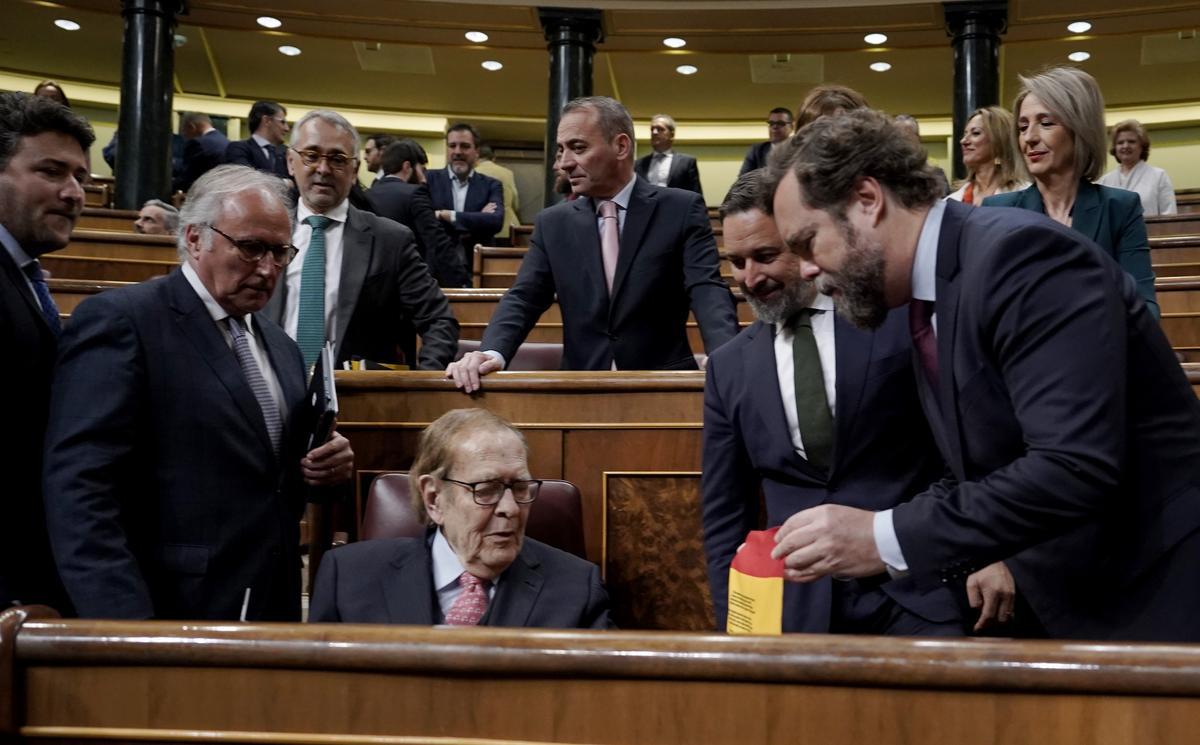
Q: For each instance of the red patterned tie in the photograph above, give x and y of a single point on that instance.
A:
(471, 603)
(920, 312)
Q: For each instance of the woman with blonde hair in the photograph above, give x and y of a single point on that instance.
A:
(1131, 148)
(990, 155)
(1060, 131)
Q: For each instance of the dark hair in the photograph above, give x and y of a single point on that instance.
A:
(781, 110)
(398, 153)
(382, 141)
(833, 154)
(611, 116)
(826, 99)
(262, 109)
(27, 115)
(485, 151)
(464, 127)
(748, 193)
(61, 96)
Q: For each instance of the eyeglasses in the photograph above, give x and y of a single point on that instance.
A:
(489, 493)
(777, 123)
(280, 120)
(252, 251)
(336, 161)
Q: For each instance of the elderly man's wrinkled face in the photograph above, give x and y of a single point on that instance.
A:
(151, 220)
(485, 539)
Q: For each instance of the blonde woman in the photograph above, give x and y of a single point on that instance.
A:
(990, 155)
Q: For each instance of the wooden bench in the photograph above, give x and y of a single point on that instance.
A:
(103, 269)
(1181, 224)
(109, 244)
(102, 218)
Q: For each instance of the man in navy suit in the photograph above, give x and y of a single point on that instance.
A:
(264, 148)
(43, 164)
(664, 166)
(470, 483)
(469, 204)
(1063, 415)
(175, 471)
(204, 148)
(804, 409)
(624, 308)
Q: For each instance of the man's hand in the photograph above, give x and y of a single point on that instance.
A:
(474, 365)
(443, 215)
(489, 208)
(993, 588)
(831, 539)
(329, 464)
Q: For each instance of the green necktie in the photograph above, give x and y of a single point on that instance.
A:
(310, 322)
(812, 407)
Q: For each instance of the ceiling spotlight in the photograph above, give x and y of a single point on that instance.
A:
(289, 50)
(881, 66)
(66, 25)
(687, 69)
(674, 42)
(875, 39)
(1079, 27)
(269, 22)
(476, 37)
(491, 65)
(1079, 56)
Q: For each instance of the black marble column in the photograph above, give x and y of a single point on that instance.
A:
(143, 164)
(975, 28)
(571, 36)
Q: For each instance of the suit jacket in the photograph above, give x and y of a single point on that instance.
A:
(684, 173)
(883, 453)
(409, 205)
(1070, 430)
(26, 567)
(201, 154)
(391, 581)
(481, 189)
(385, 292)
(247, 153)
(756, 157)
(668, 259)
(164, 497)
(1110, 217)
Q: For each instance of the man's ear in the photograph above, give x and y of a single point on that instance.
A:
(623, 145)
(429, 497)
(869, 199)
(191, 236)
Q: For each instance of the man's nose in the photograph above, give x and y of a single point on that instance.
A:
(809, 269)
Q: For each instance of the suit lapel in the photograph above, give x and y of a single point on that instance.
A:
(517, 592)
(357, 245)
(583, 229)
(408, 588)
(946, 307)
(642, 202)
(852, 350)
(676, 169)
(1085, 216)
(17, 278)
(758, 367)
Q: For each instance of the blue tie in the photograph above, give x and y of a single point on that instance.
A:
(33, 270)
(310, 324)
(258, 384)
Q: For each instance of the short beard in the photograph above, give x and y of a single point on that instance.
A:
(793, 298)
(860, 283)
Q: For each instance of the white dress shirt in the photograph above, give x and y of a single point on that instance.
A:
(659, 171)
(333, 267)
(459, 191)
(446, 571)
(822, 326)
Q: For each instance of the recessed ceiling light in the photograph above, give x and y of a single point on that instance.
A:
(269, 22)
(687, 69)
(875, 39)
(289, 50)
(491, 65)
(1079, 56)
(66, 25)
(476, 37)
(674, 42)
(881, 66)
(1079, 27)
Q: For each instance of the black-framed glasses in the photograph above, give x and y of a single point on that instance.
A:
(778, 123)
(489, 493)
(336, 161)
(252, 250)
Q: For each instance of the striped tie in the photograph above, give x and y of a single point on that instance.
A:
(310, 325)
(258, 384)
(33, 270)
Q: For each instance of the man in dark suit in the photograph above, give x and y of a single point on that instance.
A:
(802, 409)
(43, 163)
(358, 279)
(401, 195)
(624, 264)
(174, 466)
(664, 166)
(469, 204)
(204, 148)
(264, 148)
(471, 484)
(779, 128)
(1066, 421)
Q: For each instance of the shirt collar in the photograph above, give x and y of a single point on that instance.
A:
(622, 197)
(14, 248)
(337, 214)
(262, 141)
(819, 302)
(210, 304)
(446, 566)
(454, 176)
(924, 269)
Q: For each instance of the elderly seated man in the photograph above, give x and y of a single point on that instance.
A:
(156, 218)
(471, 484)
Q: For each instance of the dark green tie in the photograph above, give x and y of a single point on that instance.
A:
(310, 318)
(812, 407)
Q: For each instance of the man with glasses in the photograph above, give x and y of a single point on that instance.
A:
(358, 279)
(174, 475)
(471, 486)
(264, 148)
(779, 128)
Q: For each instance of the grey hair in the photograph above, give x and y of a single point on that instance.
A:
(170, 214)
(670, 120)
(207, 198)
(613, 118)
(1073, 96)
(329, 117)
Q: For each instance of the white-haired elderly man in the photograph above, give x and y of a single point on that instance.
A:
(174, 478)
(156, 217)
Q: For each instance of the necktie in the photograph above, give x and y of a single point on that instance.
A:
(270, 153)
(310, 323)
(33, 270)
(610, 240)
(920, 313)
(258, 384)
(471, 603)
(812, 406)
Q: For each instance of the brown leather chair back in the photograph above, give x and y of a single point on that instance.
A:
(529, 356)
(556, 518)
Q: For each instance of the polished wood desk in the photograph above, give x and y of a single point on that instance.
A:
(109, 244)
(1185, 223)
(102, 218)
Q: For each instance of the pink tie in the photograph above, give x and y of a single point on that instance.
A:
(610, 240)
(470, 604)
(920, 314)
